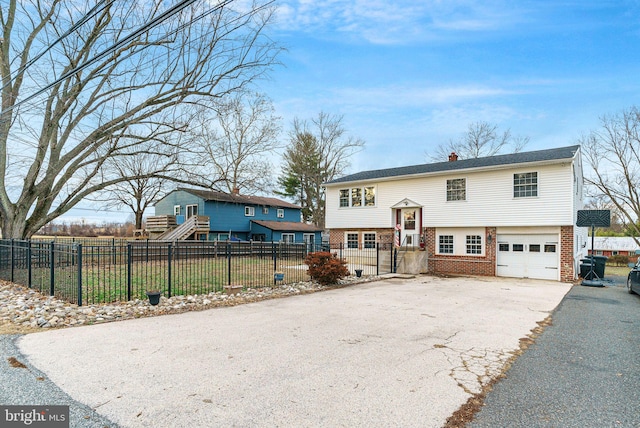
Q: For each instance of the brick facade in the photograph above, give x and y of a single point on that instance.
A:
(567, 263)
(484, 265)
(462, 265)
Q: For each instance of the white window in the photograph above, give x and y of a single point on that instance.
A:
(176, 210)
(445, 244)
(358, 197)
(192, 210)
(280, 213)
(457, 189)
(288, 238)
(249, 211)
(525, 185)
(352, 240)
(369, 196)
(265, 210)
(344, 198)
(474, 244)
(369, 240)
(309, 238)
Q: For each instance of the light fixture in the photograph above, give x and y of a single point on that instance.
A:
(489, 239)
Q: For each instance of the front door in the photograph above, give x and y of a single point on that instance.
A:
(409, 227)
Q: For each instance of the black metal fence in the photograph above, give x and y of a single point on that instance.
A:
(110, 270)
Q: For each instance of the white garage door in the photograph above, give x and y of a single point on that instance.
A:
(529, 256)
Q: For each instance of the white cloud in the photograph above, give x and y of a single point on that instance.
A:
(395, 22)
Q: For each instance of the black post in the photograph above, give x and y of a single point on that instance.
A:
(275, 261)
(229, 263)
(394, 260)
(129, 268)
(29, 272)
(79, 274)
(13, 259)
(341, 251)
(52, 269)
(377, 258)
(169, 257)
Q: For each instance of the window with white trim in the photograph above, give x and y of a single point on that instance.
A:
(288, 238)
(280, 213)
(369, 196)
(445, 244)
(344, 198)
(249, 211)
(474, 244)
(176, 210)
(369, 240)
(352, 240)
(525, 185)
(457, 189)
(357, 197)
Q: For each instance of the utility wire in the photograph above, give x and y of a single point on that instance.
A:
(102, 4)
(143, 29)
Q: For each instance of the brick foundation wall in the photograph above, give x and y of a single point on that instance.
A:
(462, 265)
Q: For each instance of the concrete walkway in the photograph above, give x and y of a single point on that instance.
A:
(398, 352)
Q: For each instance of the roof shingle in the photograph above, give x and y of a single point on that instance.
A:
(556, 154)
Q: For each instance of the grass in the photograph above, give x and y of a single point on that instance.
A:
(616, 270)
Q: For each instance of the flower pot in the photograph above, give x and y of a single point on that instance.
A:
(154, 297)
(358, 273)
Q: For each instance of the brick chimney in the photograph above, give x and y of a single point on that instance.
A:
(453, 157)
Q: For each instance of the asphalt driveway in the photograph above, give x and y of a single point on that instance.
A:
(397, 352)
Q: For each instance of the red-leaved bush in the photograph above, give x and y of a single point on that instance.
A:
(326, 268)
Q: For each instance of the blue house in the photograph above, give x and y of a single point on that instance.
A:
(239, 217)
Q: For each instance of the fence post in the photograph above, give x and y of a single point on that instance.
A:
(129, 268)
(169, 257)
(29, 272)
(79, 258)
(341, 246)
(394, 259)
(13, 258)
(275, 261)
(52, 268)
(377, 258)
(229, 263)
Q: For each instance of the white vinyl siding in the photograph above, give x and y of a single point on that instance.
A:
(489, 196)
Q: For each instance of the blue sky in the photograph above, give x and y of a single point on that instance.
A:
(410, 75)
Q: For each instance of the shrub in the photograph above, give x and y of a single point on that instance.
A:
(618, 260)
(326, 268)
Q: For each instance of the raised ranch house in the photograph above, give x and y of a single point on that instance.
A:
(507, 215)
(217, 216)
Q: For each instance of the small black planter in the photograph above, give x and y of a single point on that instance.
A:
(154, 297)
(358, 273)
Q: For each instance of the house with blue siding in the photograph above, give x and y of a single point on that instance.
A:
(239, 217)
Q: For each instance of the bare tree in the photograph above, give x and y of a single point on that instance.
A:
(481, 139)
(235, 145)
(318, 152)
(613, 154)
(82, 87)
